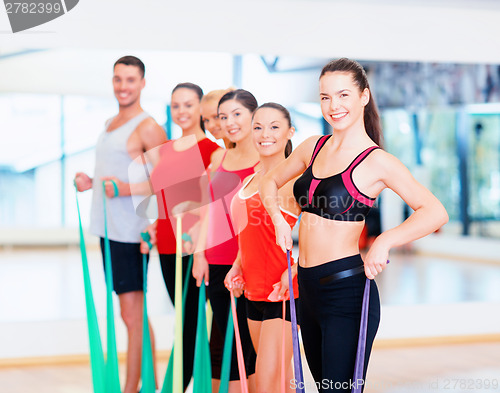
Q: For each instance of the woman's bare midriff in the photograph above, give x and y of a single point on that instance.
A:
(322, 240)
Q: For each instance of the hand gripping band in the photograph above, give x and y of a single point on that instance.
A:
(117, 192)
(187, 238)
(147, 238)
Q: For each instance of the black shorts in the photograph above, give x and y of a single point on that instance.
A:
(262, 311)
(126, 264)
(220, 300)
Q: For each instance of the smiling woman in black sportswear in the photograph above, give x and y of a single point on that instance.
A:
(342, 174)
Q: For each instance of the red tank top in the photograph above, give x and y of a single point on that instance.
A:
(176, 179)
(222, 241)
(262, 260)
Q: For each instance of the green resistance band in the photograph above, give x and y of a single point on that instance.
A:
(147, 364)
(117, 192)
(227, 354)
(96, 355)
(112, 377)
(187, 238)
(202, 368)
(179, 312)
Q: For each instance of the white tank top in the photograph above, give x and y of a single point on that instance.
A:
(113, 159)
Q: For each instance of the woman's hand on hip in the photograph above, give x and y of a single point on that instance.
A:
(376, 259)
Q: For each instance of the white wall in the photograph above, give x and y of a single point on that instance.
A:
(441, 30)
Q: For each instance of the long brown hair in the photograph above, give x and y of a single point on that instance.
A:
(371, 116)
(244, 97)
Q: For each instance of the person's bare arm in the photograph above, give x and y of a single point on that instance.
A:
(200, 263)
(193, 207)
(286, 198)
(428, 216)
(292, 167)
(151, 136)
(151, 229)
(216, 159)
(234, 278)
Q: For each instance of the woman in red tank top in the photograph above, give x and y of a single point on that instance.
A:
(217, 246)
(260, 261)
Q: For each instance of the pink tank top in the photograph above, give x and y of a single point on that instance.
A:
(222, 240)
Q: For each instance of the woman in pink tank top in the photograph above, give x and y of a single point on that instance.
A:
(217, 246)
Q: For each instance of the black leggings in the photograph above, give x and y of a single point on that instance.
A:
(330, 316)
(221, 301)
(167, 262)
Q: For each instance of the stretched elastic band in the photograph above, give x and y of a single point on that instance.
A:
(96, 354)
(112, 376)
(117, 192)
(297, 361)
(283, 342)
(178, 355)
(227, 354)
(202, 368)
(360, 353)
(147, 238)
(239, 349)
(147, 364)
(168, 380)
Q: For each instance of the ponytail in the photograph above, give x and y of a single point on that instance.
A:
(371, 119)
(288, 148)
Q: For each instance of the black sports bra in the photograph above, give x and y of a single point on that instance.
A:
(335, 197)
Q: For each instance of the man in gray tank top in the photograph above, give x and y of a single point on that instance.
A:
(126, 136)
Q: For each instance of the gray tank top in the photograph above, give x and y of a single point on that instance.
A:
(112, 159)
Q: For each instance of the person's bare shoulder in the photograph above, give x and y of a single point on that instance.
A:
(151, 133)
(108, 122)
(305, 150)
(216, 158)
(383, 162)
